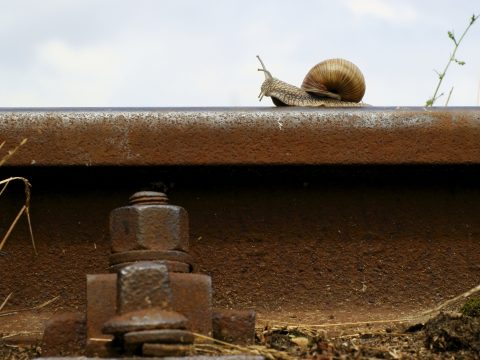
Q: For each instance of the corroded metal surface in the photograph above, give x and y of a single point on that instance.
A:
(338, 240)
(161, 336)
(149, 227)
(341, 240)
(135, 290)
(101, 306)
(234, 326)
(243, 136)
(149, 255)
(166, 350)
(64, 335)
(145, 323)
(145, 319)
(192, 296)
(148, 198)
(172, 266)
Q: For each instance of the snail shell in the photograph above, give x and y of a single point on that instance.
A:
(337, 79)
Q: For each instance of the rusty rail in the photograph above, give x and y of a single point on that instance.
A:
(341, 240)
(253, 136)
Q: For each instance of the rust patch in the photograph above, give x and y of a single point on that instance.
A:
(101, 306)
(234, 326)
(192, 296)
(149, 227)
(149, 255)
(143, 285)
(338, 241)
(64, 335)
(172, 266)
(210, 136)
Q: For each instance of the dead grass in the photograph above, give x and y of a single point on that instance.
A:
(11, 151)
(354, 340)
(5, 301)
(37, 307)
(25, 209)
(218, 347)
(420, 317)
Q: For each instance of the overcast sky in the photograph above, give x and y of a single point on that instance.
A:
(202, 53)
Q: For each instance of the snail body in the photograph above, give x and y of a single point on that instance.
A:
(331, 83)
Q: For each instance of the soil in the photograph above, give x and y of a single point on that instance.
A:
(446, 336)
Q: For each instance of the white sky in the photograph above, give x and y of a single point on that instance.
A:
(202, 53)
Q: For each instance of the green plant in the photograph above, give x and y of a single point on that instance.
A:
(471, 307)
(452, 59)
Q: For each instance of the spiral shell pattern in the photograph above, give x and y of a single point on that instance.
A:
(335, 78)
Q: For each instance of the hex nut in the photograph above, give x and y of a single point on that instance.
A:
(149, 227)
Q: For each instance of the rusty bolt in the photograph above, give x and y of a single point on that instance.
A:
(143, 285)
(149, 223)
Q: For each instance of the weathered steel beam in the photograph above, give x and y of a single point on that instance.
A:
(242, 136)
(318, 238)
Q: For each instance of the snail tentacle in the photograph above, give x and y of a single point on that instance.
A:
(267, 73)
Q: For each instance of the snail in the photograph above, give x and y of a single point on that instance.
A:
(330, 83)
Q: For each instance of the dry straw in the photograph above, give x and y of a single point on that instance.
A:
(25, 209)
(216, 347)
(414, 318)
(37, 307)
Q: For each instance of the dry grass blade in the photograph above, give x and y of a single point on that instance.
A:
(3, 189)
(307, 326)
(21, 333)
(451, 301)
(25, 209)
(46, 303)
(5, 301)
(11, 152)
(373, 333)
(421, 316)
(12, 225)
(27, 213)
